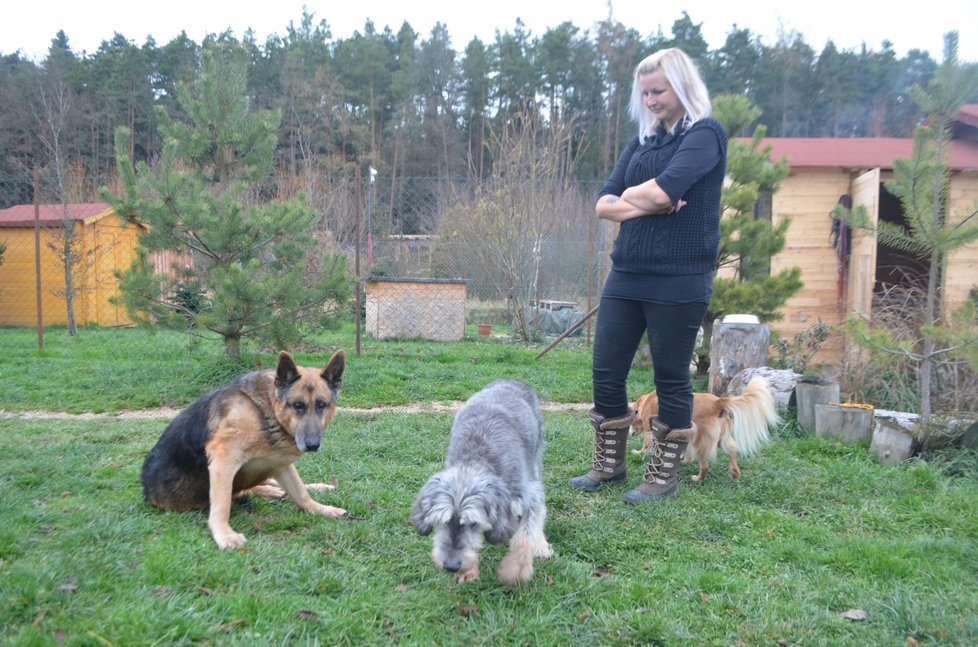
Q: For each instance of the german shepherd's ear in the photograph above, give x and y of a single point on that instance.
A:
(333, 373)
(286, 372)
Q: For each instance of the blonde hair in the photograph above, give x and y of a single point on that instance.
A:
(684, 78)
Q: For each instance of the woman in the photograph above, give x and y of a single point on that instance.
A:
(665, 194)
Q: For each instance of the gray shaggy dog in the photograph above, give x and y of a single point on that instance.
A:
(491, 486)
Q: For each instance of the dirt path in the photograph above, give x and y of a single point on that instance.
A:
(167, 413)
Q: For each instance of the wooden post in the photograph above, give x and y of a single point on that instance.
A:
(734, 347)
(37, 260)
(358, 286)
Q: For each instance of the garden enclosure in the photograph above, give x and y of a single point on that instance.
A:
(509, 253)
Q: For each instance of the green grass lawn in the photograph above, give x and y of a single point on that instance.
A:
(812, 530)
(110, 370)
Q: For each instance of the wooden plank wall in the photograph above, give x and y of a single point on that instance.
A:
(105, 246)
(18, 280)
(962, 266)
(807, 196)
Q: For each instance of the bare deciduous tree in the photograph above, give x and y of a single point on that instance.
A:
(513, 215)
(51, 116)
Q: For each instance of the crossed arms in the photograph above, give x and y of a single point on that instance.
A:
(636, 201)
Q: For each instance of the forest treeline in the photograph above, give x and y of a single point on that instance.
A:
(413, 106)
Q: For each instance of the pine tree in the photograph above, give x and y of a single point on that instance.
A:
(245, 258)
(922, 183)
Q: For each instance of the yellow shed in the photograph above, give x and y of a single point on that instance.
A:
(102, 244)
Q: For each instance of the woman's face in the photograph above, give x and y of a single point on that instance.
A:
(660, 98)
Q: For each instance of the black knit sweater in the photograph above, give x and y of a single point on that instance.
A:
(684, 242)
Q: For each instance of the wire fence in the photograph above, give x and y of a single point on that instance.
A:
(520, 250)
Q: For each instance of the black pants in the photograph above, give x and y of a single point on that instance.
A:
(672, 333)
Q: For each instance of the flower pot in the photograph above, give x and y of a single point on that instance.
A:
(848, 423)
(484, 329)
(810, 394)
(892, 442)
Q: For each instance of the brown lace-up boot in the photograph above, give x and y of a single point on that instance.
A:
(610, 443)
(668, 445)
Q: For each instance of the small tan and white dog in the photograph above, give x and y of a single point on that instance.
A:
(737, 423)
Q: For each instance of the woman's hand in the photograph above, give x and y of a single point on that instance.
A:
(676, 207)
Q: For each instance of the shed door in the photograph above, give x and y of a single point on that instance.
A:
(862, 259)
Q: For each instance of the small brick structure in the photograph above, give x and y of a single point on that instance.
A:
(416, 307)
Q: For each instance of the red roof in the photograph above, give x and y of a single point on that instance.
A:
(22, 215)
(968, 114)
(826, 151)
(871, 152)
(862, 152)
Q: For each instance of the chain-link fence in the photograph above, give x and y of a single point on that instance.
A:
(516, 244)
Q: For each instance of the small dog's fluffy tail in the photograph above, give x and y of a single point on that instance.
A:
(753, 412)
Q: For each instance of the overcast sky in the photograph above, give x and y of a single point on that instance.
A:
(28, 27)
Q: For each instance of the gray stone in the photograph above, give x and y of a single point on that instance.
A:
(902, 418)
(781, 381)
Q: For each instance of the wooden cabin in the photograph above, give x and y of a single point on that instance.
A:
(103, 244)
(837, 281)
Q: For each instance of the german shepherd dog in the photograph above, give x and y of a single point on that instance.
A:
(242, 439)
(491, 486)
(734, 422)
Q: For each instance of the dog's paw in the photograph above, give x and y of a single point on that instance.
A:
(320, 487)
(515, 569)
(267, 491)
(229, 539)
(543, 550)
(329, 511)
(469, 575)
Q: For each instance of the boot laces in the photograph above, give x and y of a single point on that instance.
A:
(600, 439)
(655, 469)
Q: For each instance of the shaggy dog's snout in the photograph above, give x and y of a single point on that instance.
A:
(452, 565)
